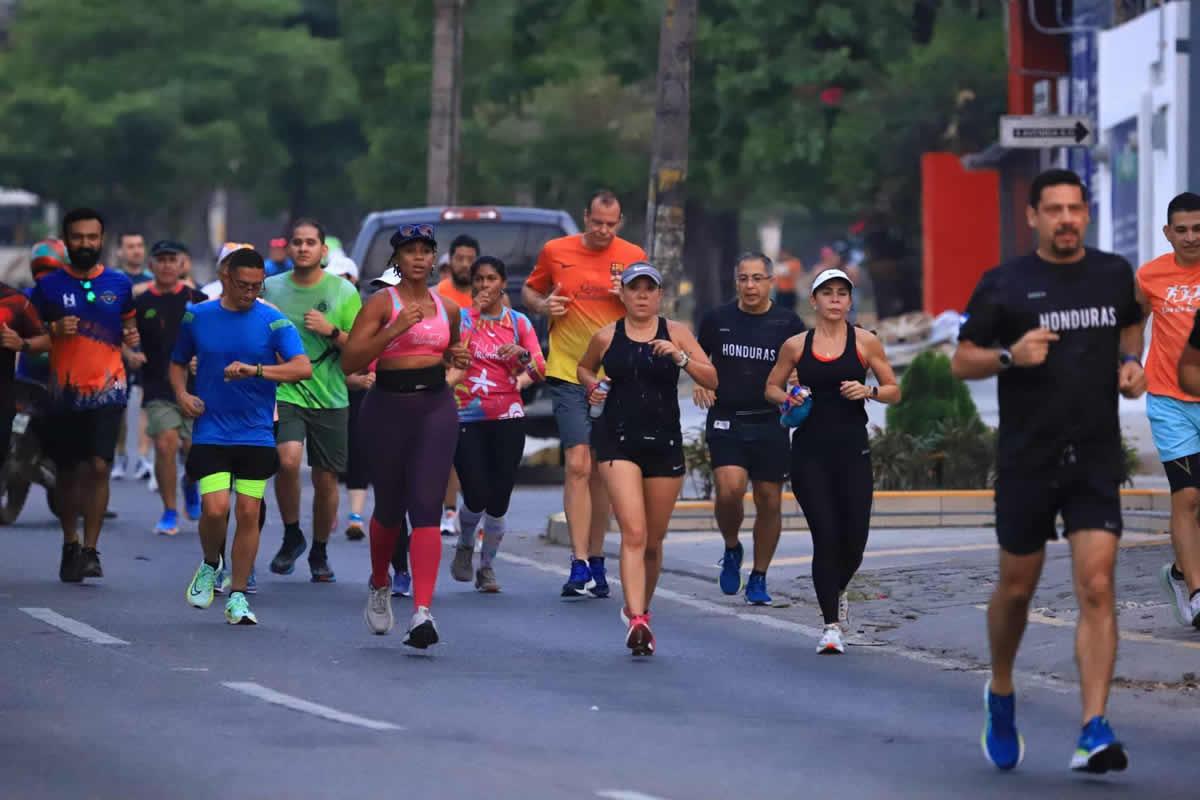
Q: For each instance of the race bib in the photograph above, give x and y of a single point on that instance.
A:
(721, 424)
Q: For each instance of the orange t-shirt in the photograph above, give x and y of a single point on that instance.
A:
(449, 291)
(1173, 292)
(786, 272)
(585, 276)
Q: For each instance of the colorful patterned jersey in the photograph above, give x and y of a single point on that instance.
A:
(489, 389)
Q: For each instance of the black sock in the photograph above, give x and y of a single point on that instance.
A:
(593, 560)
(756, 574)
(213, 564)
(291, 530)
(317, 551)
(736, 549)
(1175, 573)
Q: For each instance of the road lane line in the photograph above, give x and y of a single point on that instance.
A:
(72, 626)
(298, 704)
(625, 794)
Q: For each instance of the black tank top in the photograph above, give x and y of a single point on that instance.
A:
(832, 416)
(643, 395)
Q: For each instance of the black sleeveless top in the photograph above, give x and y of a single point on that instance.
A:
(643, 397)
(832, 416)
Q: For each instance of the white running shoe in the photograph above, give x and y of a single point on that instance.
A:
(422, 631)
(1194, 611)
(844, 611)
(378, 613)
(450, 524)
(144, 469)
(118, 468)
(1177, 594)
(831, 641)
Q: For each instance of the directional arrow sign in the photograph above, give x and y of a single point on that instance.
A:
(1037, 132)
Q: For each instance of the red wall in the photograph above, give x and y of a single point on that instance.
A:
(1033, 56)
(960, 216)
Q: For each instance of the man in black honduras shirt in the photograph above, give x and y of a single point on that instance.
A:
(1063, 330)
(745, 441)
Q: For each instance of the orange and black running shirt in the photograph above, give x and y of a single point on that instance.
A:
(16, 313)
(1173, 293)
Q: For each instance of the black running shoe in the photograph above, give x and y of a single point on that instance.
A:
(68, 568)
(284, 562)
(89, 563)
(321, 571)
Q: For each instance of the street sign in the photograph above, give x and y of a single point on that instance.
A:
(1038, 131)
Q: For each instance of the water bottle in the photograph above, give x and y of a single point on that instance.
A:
(794, 416)
(595, 411)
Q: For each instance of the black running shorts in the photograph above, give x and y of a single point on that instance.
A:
(662, 458)
(756, 443)
(73, 437)
(1027, 505)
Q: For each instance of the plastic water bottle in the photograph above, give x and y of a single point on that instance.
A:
(794, 416)
(595, 411)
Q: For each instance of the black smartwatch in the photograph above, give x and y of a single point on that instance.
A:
(334, 334)
(1128, 357)
(1006, 359)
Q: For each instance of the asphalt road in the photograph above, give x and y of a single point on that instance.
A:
(528, 697)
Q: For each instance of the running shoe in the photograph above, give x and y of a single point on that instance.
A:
(401, 585)
(450, 524)
(1175, 589)
(831, 643)
(320, 569)
(1194, 611)
(143, 470)
(731, 570)
(625, 616)
(191, 499)
(577, 584)
(168, 523)
(485, 581)
(354, 528)
(461, 568)
(89, 563)
(200, 591)
(237, 610)
(599, 586)
(639, 638)
(118, 469)
(152, 483)
(378, 613)
(68, 568)
(292, 547)
(1002, 745)
(224, 580)
(844, 611)
(1098, 750)
(251, 583)
(756, 591)
(422, 631)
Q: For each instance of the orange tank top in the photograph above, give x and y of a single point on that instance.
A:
(1173, 292)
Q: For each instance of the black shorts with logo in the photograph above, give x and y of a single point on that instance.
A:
(661, 458)
(1086, 493)
(73, 437)
(248, 462)
(755, 442)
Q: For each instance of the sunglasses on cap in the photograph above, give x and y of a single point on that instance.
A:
(422, 231)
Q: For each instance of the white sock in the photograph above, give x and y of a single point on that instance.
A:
(493, 532)
(469, 520)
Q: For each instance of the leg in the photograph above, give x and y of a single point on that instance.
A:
(1185, 534)
(600, 508)
(1008, 612)
(813, 487)
(325, 503)
(287, 482)
(660, 496)
(855, 485)
(430, 455)
(326, 431)
(246, 535)
(768, 522)
(624, 482)
(166, 451)
(729, 507)
(472, 462)
(1094, 561)
(358, 500)
(95, 500)
(509, 441)
(577, 499)
(450, 501)
(68, 486)
(214, 515)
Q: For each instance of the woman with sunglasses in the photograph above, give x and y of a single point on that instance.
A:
(410, 417)
(638, 440)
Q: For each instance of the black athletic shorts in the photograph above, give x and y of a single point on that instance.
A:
(662, 458)
(1183, 473)
(73, 437)
(755, 442)
(1027, 503)
(248, 462)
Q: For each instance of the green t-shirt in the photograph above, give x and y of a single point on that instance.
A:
(338, 300)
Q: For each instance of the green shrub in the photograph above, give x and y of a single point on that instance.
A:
(931, 396)
(699, 467)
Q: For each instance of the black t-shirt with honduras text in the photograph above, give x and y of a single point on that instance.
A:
(1071, 399)
(158, 319)
(744, 347)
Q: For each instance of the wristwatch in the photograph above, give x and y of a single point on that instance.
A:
(524, 358)
(1006, 359)
(683, 362)
(874, 392)
(24, 345)
(1128, 357)
(334, 333)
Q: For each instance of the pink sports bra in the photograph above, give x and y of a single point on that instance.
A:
(429, 337)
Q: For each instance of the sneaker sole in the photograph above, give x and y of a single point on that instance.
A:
(1168, 590)
(1109, 758)
(830, 650)
(422, 636)
(355, 534)
(246, 620)
(188, 595)
(374, 630)
(640, 641)
(166, 531)
(766, 602)
(721, 582)
(574, 594)
(983, 736)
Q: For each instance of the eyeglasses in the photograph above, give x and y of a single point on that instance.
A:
(423, 231)
(757, 277)
(243, 286)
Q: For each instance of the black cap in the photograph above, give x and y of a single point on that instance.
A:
(163, 246)
(244, 257)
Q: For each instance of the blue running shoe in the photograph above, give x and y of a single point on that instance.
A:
(1002, 745)
(191, 499)
(401, 585)
(756, 591)
(168, 523)
(577, 584)
(731, 570)
(252, 583)
(599, 586)
(1098, 750)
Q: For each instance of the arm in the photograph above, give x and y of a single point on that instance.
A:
(295, 369)
(698, 366)
(371, 332)
(535, 366)
(776, 389)
(456, 356)
(876, 357)
(589, 365)
(1131, 377)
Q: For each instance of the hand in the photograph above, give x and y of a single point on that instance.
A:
(190, 405)
(10, 339)
(665, 347)
(511, 350)
(67, 326)
(131, 337)
(597, 395)
(615, 288)
(853, 390)
(237, 370)
(137, 359)
(1131, 380)
(409, 315)
(1031, 349)
(703, 398)
(524, 381)
(315, 321)
(458, 355)
(556, 304)
(798, 398)
(361, 382)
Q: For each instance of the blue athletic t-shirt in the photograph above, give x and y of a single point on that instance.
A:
(239, 412)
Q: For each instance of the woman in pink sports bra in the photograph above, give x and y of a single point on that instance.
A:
(409, 416)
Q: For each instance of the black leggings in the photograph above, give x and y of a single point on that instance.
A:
(356, 476)
(487, 458)
(834, 486)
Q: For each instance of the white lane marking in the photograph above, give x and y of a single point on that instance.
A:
(189, 669)
(299, 704)
(625, 794)
(72, 626)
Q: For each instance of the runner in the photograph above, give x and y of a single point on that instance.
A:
(1062, 328)
(639, 444)
(409, 415)
(745, 441)
(160, 310)
(316, 410)
(131, 258)
(89, 312)
(576, 283)
(20, 332)
(242, 349)
(1169, 292)
(831, 456)
(456, 286)
(278, 261)
(505, 357)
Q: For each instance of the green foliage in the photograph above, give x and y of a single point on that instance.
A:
(699, 466)
(931, 395)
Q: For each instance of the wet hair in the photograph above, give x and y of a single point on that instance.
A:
(464, 240)
(243, 257)
(309, 222)
(1054, 177)
(489, 261)
(606, 197)
(80, 215)
(1188, 201)
(753, 255)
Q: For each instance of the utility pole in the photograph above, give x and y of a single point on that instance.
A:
(669, 159)
(441, 187)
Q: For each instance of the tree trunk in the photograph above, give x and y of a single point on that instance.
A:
(442, 175)
(710, 249)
